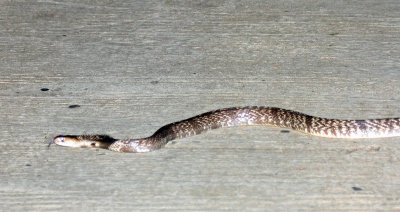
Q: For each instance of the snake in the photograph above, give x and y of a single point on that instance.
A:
(239, 116)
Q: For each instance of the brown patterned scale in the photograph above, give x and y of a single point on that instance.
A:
(240, 116)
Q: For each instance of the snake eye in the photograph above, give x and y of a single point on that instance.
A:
(61, 139)
(93, 144)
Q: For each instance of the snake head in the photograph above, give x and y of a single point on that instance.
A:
(90, 141)
(69, 141)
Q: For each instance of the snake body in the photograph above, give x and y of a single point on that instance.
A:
(240, 116)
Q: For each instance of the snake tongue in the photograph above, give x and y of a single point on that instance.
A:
(51, 142)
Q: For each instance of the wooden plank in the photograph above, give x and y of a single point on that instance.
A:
(133, 67)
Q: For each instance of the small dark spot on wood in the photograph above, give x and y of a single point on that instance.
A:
(73, 106)
(64, 35)
(374, 148)
(356, 188)
(155, 82)
(285, 131)
(349, 151)
(28, 164)
(334, 33)
(44, 89)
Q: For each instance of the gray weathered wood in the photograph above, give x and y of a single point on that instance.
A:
(135, 66)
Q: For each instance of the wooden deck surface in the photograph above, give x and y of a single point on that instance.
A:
(132, 67)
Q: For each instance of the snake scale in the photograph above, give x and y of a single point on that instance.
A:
(240, 116)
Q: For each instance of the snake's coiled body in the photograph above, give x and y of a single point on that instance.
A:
(242, 116)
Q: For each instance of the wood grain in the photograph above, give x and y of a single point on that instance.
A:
(137, 65)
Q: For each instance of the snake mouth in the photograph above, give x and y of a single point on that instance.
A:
(58, 138)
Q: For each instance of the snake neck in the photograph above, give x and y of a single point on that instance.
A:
(137, 145)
